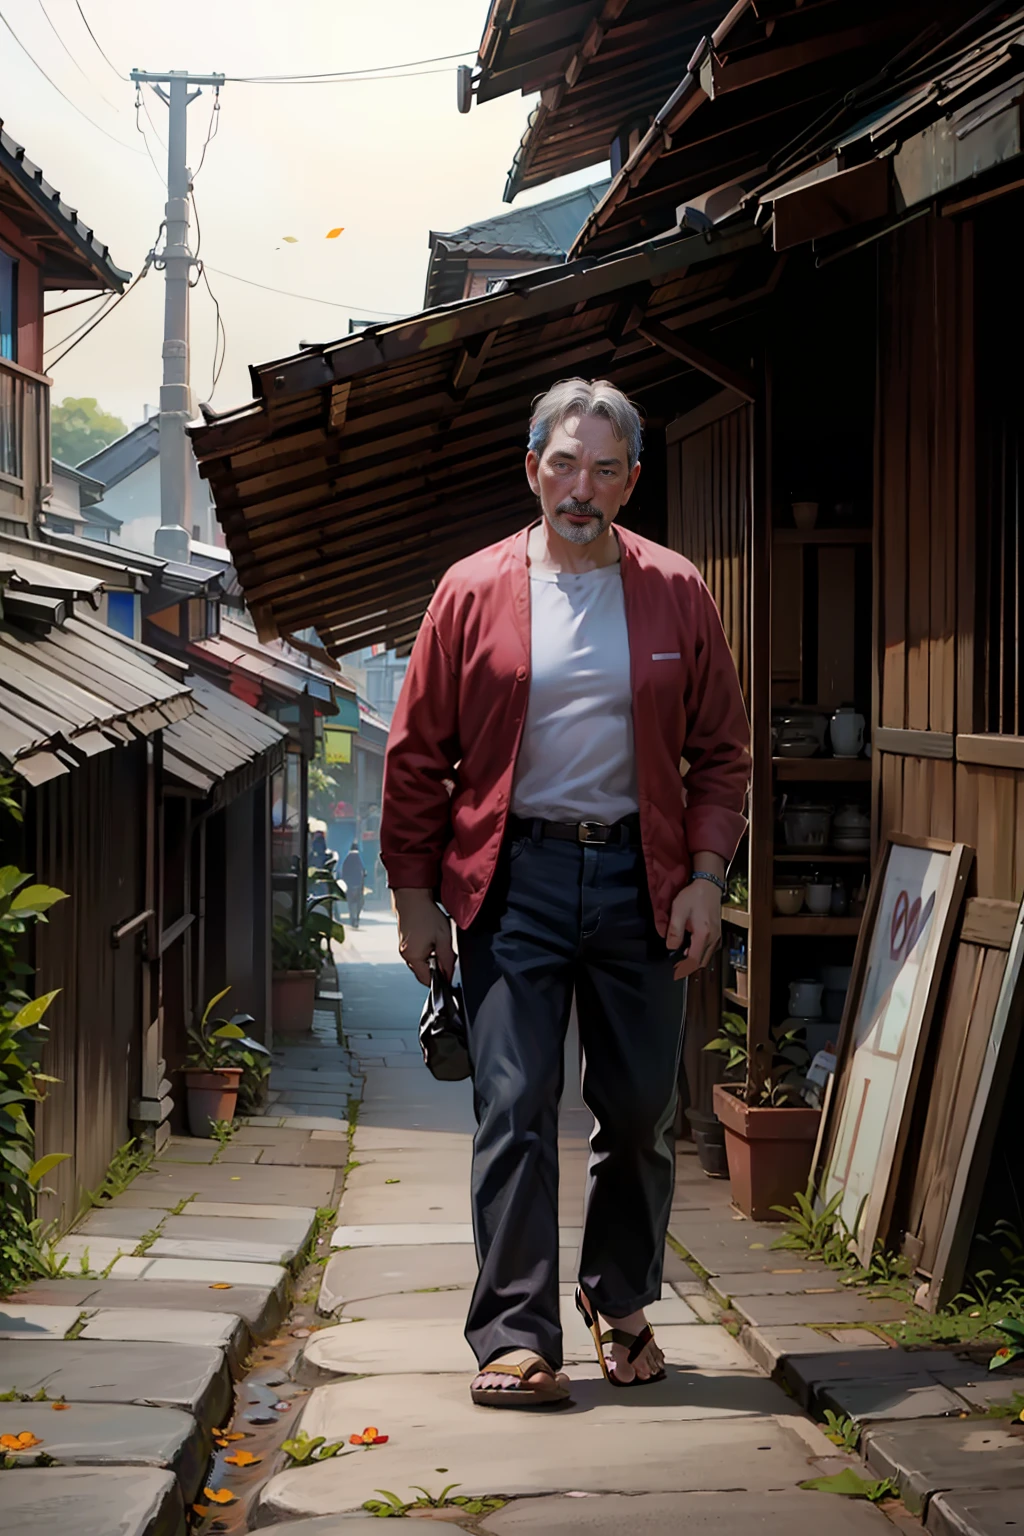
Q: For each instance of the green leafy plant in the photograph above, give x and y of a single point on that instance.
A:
(126, 1164)
(841, 1430)
(302, 1450)
(781, 1085)
(223, 1131)
(218, 1042)
(739, 892)
(23, 904)
(850, 1485)
(304, 947)
(1014, 1348)
(391, 1506)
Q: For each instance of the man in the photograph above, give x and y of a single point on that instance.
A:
(353, 875)
(563, 679)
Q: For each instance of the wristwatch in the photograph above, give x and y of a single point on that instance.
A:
(705, 874)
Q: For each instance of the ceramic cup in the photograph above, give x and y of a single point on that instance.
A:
(847, 732)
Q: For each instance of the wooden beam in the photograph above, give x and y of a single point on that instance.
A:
(899, 743)
(832, 205)
(676, 346)
(991, 751)
(988, 922)
(722, 404)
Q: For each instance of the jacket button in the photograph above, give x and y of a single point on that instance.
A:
(520, 674)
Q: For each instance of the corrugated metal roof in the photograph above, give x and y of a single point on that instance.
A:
(237, 646)
(224, 745)
(123, 457)
(77, 690)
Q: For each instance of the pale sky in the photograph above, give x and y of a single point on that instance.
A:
(388, 161)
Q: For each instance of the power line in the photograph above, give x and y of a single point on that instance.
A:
(139, 103)
(220, 335)
(96, 40)
(53, 28)
(212, 128)
(88, 321)
(417, 74)
(130, 147)
(387, 314)
(382, 71)
(108, 311)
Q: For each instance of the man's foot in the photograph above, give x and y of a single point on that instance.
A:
(649, 1362)
(532, 1382)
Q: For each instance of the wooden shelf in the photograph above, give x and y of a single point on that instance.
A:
(821, 535)
(734, 997)
(822, 858)
(816, 927)
(832, 770)
(736, 916)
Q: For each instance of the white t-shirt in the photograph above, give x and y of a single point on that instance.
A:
(576, 759)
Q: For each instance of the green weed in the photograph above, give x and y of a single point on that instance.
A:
(842, 1430)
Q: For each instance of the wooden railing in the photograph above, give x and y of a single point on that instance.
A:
(25, 474)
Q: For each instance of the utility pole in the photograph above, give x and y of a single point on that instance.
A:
(173, 538)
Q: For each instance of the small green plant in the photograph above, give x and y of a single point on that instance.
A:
(217, 1043)
(842, 1430)
(390, 1506)
(850, 1485)
(302, 1450)
(305, 946)
(781, 1085)
(146, 1241)
(125, 1165)
(223, 1131)
(1014, 1348)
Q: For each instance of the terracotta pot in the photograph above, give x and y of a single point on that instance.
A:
(769, 1152)
(211, 1096)
(293, 995)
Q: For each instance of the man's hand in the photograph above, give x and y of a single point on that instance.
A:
(423, 930)
(697, 912)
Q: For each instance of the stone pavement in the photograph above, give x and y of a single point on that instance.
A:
(718, 1446)
(124, 1365)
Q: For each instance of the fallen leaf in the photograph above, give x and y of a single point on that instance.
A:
(22, 1442)
(219, 1495)
(236, 1178)
(221, 1285)
(201, 1510)
(60, 1407)
(291, 239)
(392, 1181)
(228, 1434)
(243, 1459)
(332, 234)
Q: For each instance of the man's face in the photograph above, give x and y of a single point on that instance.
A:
(582, 478)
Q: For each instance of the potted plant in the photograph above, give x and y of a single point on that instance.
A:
(298, 955)
(220, 1052)
(770, 1131)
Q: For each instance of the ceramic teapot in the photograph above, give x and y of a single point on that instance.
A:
(846, 729)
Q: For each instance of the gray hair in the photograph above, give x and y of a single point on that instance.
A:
(586, 397)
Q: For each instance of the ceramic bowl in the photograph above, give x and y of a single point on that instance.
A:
(788, 899)
(819, 899)
(805, 514)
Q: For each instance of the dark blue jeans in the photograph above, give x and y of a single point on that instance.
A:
(559, 918)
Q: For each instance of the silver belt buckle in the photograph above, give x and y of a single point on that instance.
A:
(592, 832)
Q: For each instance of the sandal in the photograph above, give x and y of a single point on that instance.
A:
(635, 1343)
(539, 1387)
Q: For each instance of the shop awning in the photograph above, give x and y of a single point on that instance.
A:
(224, 747)
(363, 469)
(75, 691)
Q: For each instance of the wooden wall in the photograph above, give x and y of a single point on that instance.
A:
(938, 769)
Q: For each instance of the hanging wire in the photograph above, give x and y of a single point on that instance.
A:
(90, 324)
(379, 71)
(310, 298)
(88, 321)
(211, 133)
(53, 28)
(96, 40)
(139, 104)
(112, 137)
(220, 335)
(89, 299)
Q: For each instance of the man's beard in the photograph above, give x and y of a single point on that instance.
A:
(577, 533)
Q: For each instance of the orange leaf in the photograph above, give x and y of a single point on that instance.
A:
(243, 1459)
(332, 234)
(219, 1495)
(60, 1407)
(220, 1285)
(201, 1510)
(229, 1434)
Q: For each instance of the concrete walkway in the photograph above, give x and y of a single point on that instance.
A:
(123, 1367)
(718, 1446)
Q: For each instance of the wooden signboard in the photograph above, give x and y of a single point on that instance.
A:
(915, 899)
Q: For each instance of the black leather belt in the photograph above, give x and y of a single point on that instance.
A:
(620, 834)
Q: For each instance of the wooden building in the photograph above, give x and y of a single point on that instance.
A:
(802, 272)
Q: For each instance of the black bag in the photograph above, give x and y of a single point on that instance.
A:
(443, 1029)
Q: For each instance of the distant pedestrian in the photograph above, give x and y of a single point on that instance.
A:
(353, 876)
(564, 679)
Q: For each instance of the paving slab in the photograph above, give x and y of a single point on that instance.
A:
(831, 1307)
(363, 1272)
(243, 1154)
(436, 1344)
(376, 1203)
(93, 1254)
(91, 1501)
(36, 1322)
(983, 1392)
(974, 1514)
(959, 1455)
(256, 1135)
(910, 1397)
(318, 1155)
(788, 1282)
(326, 1525)
(189, 1151)
(432, 1423)
(208, 1272)
(314, 1117)
(287, 1231)
(266, 1186)
(669, 1514)
(166, 1325)
(165, 1198)
(227, 1209)
(394, 1138)
(404, 1234)
(191, 1377)
(121, 1221)
(109, 1434)
(259, 1306)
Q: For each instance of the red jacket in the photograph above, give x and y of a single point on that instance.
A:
(464, 702)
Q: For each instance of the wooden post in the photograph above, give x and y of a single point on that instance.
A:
(762, 832)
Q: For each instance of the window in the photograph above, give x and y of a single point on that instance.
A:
(8, 307)
(121, 613)
(203, 618)
(12, 416)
